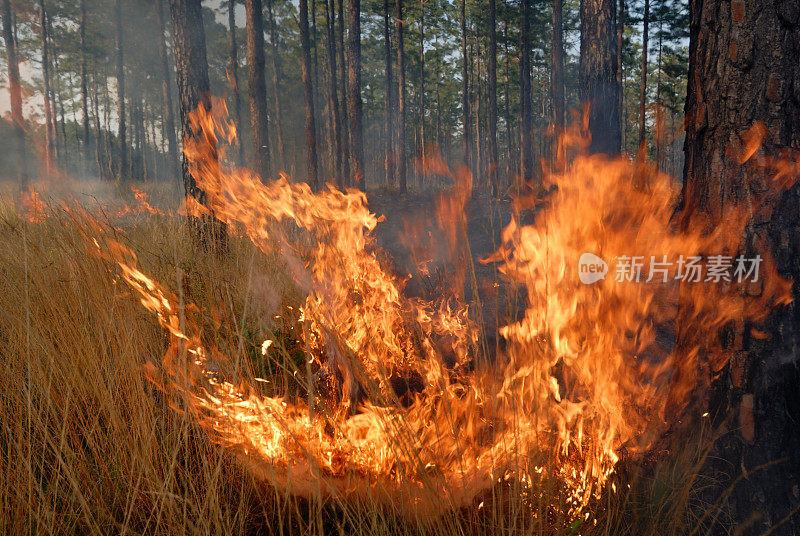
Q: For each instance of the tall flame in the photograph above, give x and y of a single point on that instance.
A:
(586, 371)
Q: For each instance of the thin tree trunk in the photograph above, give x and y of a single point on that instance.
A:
(48, 110)
(121, 131)
(276, 73)
(233, 73)
(557, 77)
(401, 99)
(258, 89)
(621, 74)
(507, 106)
(598, 74)
(15, 92)
(388, 119)
(166, 94)
(494, 178)
(354, 91)
(421, 85)
(643, 86)
(336, 122)
(344, 115)
(308, 91)
(87, 150)
(526, 122)
(465, 103)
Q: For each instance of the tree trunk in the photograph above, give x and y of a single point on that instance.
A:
(15, 92)
(193, 91)
(598, 74)
(344, 115)
(121, 130)
(308, 91)
(465, 103)
(258, 89)
(388, 120)
(421, 85)
(526, 122)
(233, 74)
(48, 110)
(492, 74)
(734, 81)
(336, 122)
(401, 99)
(557, 77)
(620, 74)
(643, 86)
(166, 93)
(276, 73)
(87, 149)
(354, 91)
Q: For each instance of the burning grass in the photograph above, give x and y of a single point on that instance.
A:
(90, 446)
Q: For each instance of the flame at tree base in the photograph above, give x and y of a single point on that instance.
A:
(583, 374)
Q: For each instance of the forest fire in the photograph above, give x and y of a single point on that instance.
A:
(587, 371)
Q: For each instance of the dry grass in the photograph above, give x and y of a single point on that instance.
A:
(89, 446)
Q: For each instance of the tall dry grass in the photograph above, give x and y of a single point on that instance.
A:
(89, 446)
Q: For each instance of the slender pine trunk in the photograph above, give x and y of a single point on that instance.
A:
(308, 91)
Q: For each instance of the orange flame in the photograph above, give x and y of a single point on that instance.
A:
(585, 372)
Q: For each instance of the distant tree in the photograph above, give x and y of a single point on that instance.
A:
(276, 92)
(400, 150)
(233, 74)
(121, 120)
(354, 104)
(308, 92)
(166, 94)
(257, 86)
(388, 118)
(643, 90)
(557, 76)
(14, 89)
(494, 181)
(526, 121)
(465, 100)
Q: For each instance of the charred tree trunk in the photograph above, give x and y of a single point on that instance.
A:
(121, 131)
(258, 88)
(421, 88)
(276, 73)
(15, 91)
(354, 91)
(621, 74)
(465, 103)
(598, 74)
(193, 91)
(526, 122)
(492, 116)
(166, 94)
(401, 100)
(557, 76)
(344, 115)
(233, 74)
(736, 80)
(388, 125)
(643, 86)
(308, 91)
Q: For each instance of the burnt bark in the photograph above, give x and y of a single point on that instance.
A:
(257, 87)
(308, 93)
(336, 122)
(354, 104)
(15, 91)
(745, 68)
(344, 127)
(598, 74)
